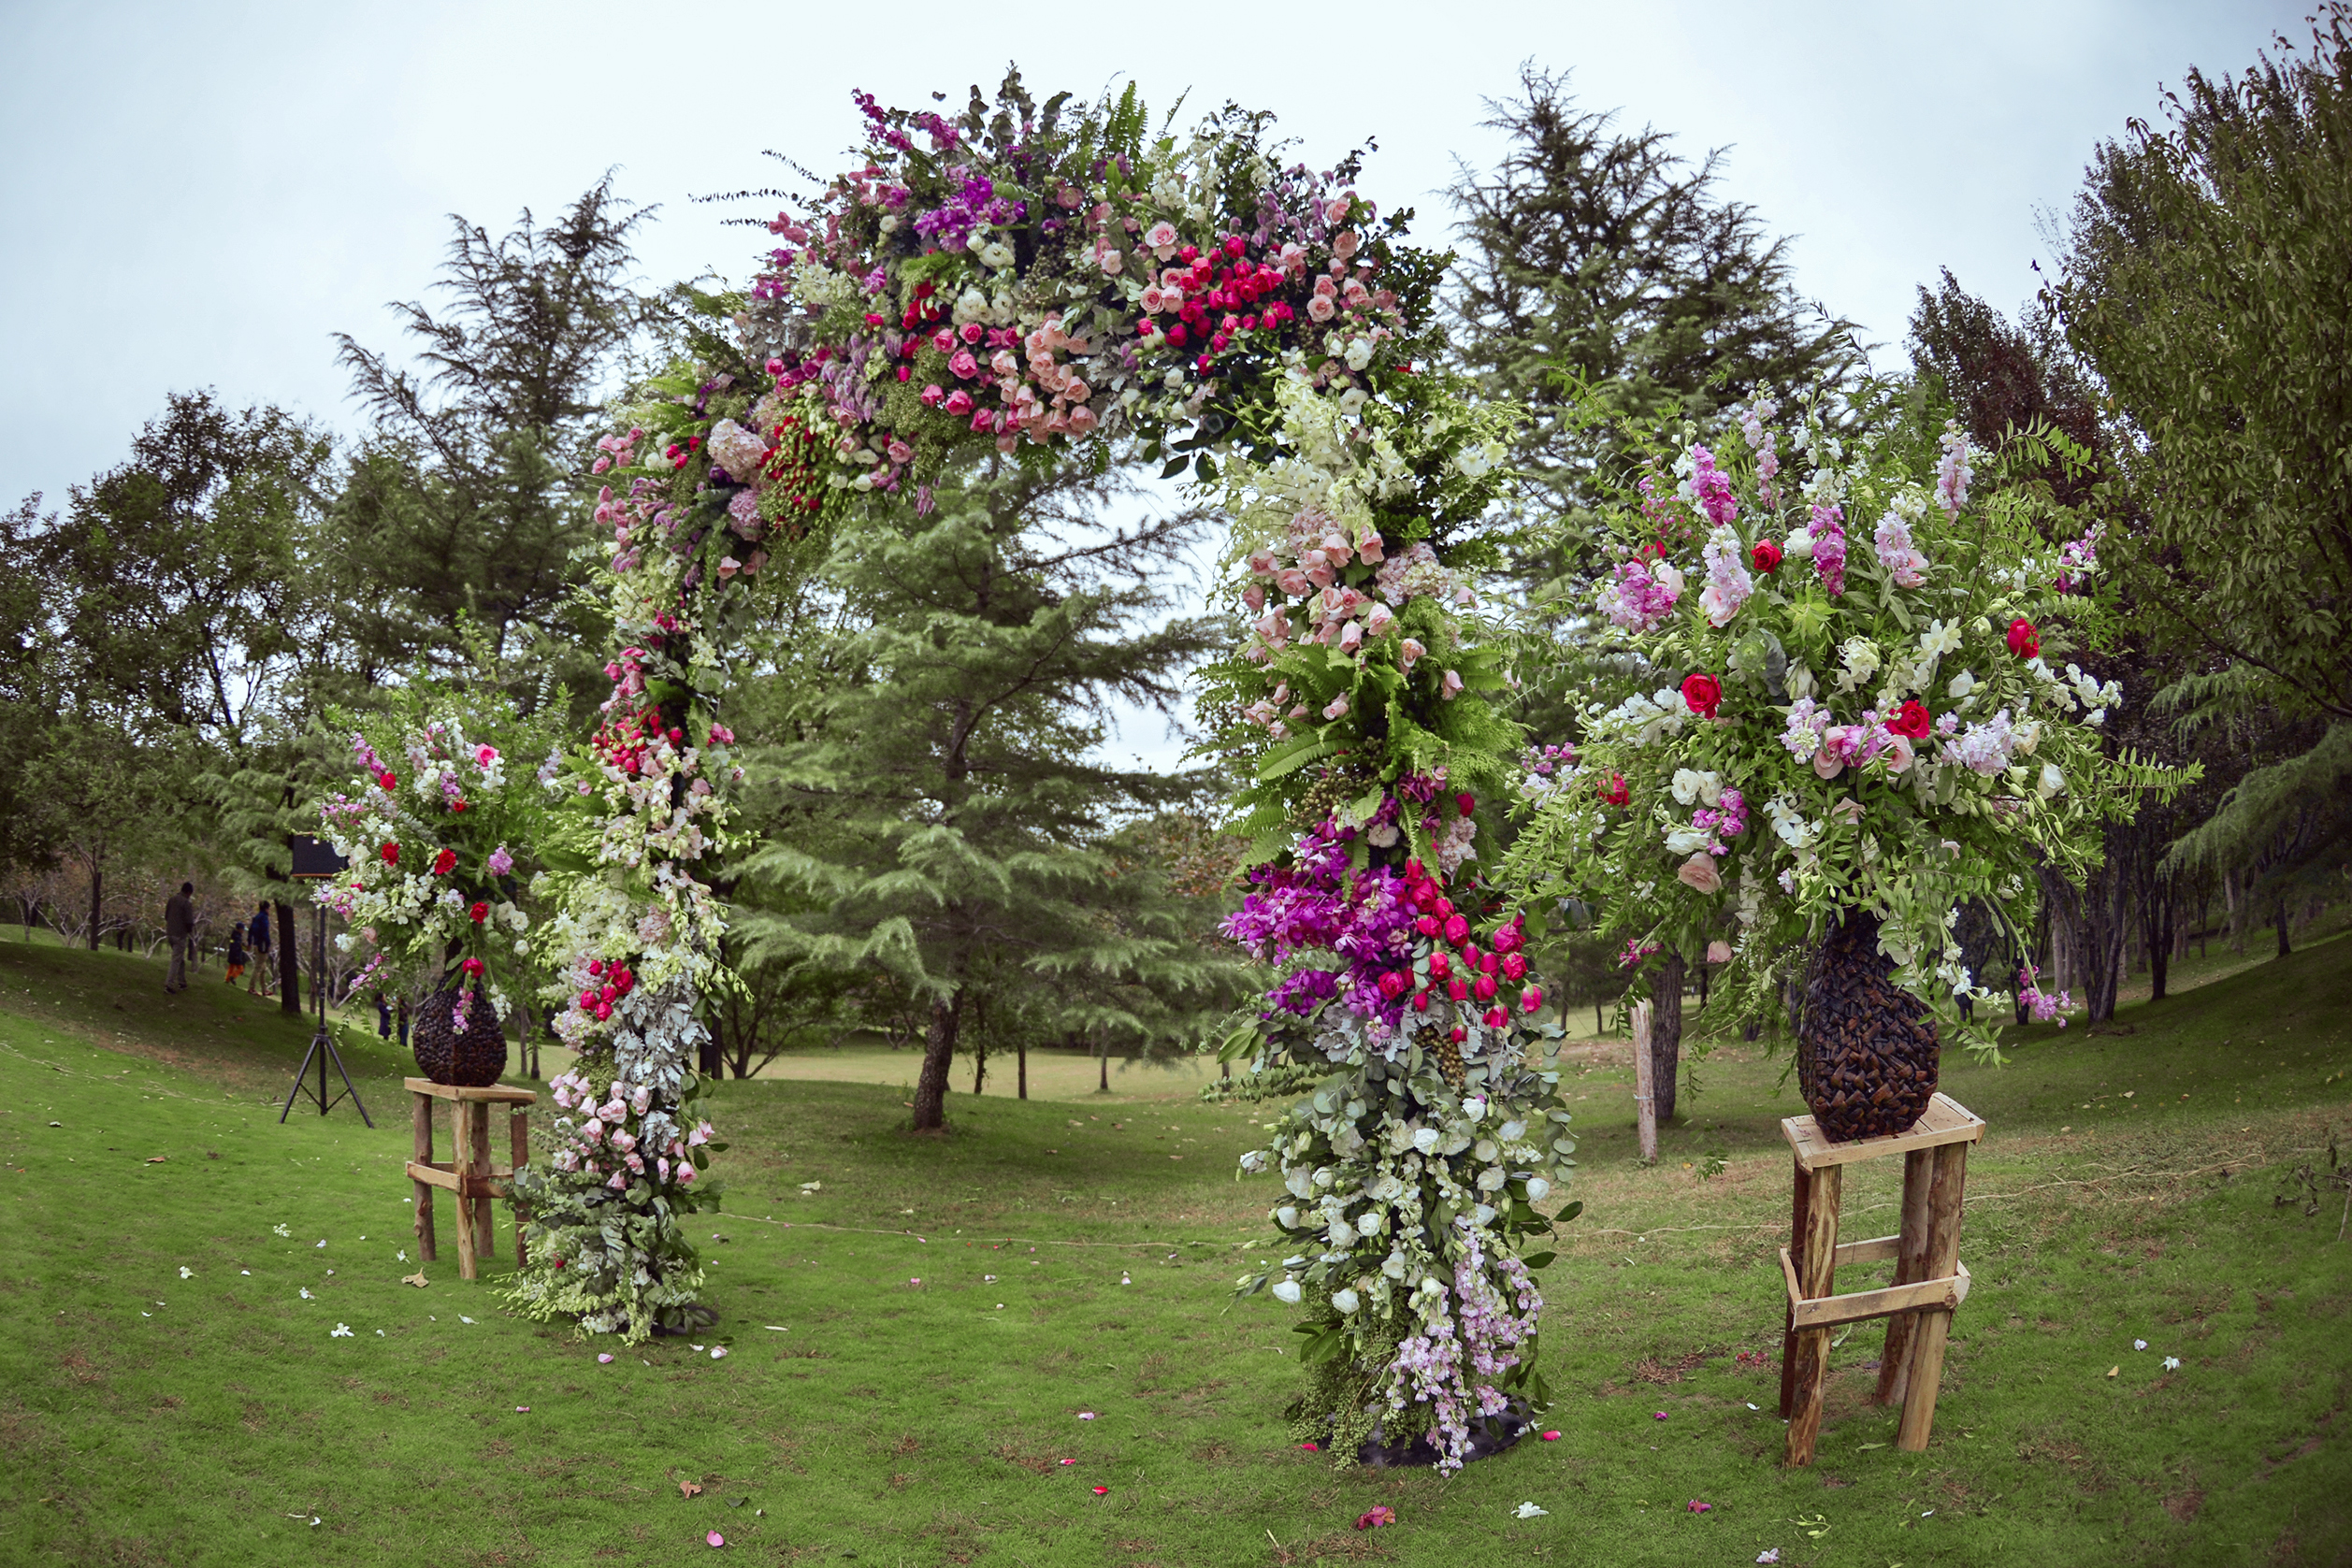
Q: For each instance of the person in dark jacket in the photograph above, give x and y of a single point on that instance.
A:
(180, 927)
(257, 984)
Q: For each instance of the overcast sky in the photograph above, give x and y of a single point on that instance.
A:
(199, 195)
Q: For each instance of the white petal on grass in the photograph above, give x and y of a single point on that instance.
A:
(1529, 1511)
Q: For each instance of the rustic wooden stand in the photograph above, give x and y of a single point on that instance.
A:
(1929, 1278)
(468, 1173)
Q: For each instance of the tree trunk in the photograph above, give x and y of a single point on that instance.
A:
(1022, 1058)
(1666, 1034)
(1102, 1054)
(939, 1053)
(979, 1065)
(2159, 938)
(96, 883)
(2278, 913)
(289, 959)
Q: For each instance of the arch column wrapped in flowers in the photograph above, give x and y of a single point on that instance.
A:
(1031, 273)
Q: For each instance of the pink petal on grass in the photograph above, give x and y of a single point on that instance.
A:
(1069, 1461)
(522, 1410)
(603, 1358)
(1310, 1447)
(1101, 1492)
(1698, 1507)
(1657, 1414)
(1086, 1414)
(1551, 1437)
(715, 1539)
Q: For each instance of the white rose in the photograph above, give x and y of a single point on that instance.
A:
(1961, 685)
(1425, 1140)
(1537, 1189)
(1287, 1217)
(1359, 353)
(1799, 546)
(1287, 1292)
(1685, 841)
(1345, 1301)
(2051, 780)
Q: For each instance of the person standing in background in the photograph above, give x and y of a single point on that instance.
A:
(258, 986)
(179, 924)
(235, 954)
(384, 1015)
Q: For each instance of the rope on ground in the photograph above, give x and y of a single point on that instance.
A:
(1008, 1241)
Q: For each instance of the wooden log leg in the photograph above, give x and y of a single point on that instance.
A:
(421, 1121)
(1817, 1274)
(1802, 1187)
(461, 1160)
(1935, 1327)
(1911, 1264)
(485, 1240)
(519, 1134)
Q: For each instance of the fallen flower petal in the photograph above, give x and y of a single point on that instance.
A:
(2139, 1344)
(1657, 1414)
(1311, 1447)
(719, 1352)
(1769, 1554)
(1551, 1437)
(522, 1410)
(1529, 1511)
(2171, 1364)
(1069, 1461)
(1101, 1492)
(1374, 1518)
(715, 1539)
(603, 1357)
(1086, 1414)
(687, 1489)
(1698, 1507)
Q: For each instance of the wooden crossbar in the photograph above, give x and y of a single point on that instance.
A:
(466, 1183)
(1827, 1312)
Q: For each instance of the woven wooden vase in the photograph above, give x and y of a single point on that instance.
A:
(1867, 1048)
(473, 1057)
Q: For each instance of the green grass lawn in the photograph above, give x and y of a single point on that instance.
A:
(912, 1344)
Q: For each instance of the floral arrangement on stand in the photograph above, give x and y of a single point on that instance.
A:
(438, 837)
(1848, 738)
(1014, 276)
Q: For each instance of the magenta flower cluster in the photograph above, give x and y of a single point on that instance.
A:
(1316, 904)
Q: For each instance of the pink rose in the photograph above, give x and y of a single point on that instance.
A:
(1410, 650)
(958, 402)
(1699, 872)
(1719, 952)
(963, 364)
(1826, 763)
(1343, 244)
(1321, 308)
(1898, 754)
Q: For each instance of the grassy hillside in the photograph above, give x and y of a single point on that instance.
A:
(884, 1396)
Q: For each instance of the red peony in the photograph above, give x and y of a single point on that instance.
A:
(2024, 640)
(391, 854)
(480, 913)
(1766, 555)
(444, 862)
(1909, 721)
(1704, 693)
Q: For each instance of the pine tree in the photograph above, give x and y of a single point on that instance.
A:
(953, 826)
(1602, 274)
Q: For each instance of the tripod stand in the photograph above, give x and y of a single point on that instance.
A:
(322, 1043)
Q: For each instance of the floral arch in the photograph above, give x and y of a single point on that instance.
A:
(1022, 277)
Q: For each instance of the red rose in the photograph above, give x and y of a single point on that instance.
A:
(1909, 721)
(1457, 930)
(1704, 694)
(1393, 984)
(480, 913)
(1531, 998)
(1465, 803)
(2022, 641)
(443, 861)
(1766, 555)
(1439, 966)
(391, 854)
(1613, 789)
(388, 778)
(457, 805)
